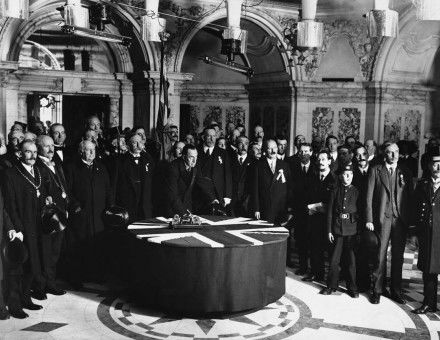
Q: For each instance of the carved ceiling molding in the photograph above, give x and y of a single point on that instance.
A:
(355, 31)
(415, 45)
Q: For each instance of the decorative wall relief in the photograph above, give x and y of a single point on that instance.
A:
(213, 113)
(194, 118)
(412, 125)
(236, 115)
(322, 122)
(392, 125)
(349, 123)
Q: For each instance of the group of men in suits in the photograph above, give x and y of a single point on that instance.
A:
(295, 191)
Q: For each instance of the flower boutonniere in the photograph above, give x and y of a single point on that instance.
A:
(220, 160)
(401, 180)
(281, 176)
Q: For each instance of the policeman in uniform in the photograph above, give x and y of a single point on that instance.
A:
(428, 233)
(342, 230)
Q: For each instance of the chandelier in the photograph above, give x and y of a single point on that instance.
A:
(234, 39)
(310, 32)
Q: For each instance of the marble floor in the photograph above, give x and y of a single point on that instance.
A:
(302, 313)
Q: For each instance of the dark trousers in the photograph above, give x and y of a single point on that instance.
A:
(317, 232)
(392, 229)
(301, 234)
(344, 246)
(50, 249)
(430, 283)
(364, 264)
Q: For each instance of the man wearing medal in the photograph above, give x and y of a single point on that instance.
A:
(26, 191)
(51, 243)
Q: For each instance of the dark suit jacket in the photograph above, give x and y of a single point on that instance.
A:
(90, 190)
(24, 208)
(360, 181)
(301, 184)
(218, 168)
(342, 202)
(241, 184)
(427, 213)
(269, 195)
(134, 185)
(58, 184)
(5, 224)
(378, 202)
(180, 185)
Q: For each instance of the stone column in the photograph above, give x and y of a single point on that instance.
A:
(114, 111)
(22, 107)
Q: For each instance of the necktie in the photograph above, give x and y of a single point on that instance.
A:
(304, 170)
(207, 152)
(32, 171)
(322, 178)
(391, 171)
(240, 160)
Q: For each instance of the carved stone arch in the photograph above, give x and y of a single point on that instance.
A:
(264, 21)
(19, 31)
(423, 48)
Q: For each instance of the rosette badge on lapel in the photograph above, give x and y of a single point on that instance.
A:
(220, 160)
(147, 167)
(401, 180)
(281, 178)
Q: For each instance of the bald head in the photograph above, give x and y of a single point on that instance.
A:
(45, 146)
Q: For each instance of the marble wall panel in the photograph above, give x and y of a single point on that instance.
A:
(322, 122)
(236, 115)
(412, 126)
(393, 125)
(213, 113)
(349, 123)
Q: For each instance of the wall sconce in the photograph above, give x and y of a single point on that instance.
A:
(382, 22)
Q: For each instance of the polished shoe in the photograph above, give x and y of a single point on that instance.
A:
(4, 314)
(353, 294)
(38, 295)
(327, 291)
(32, 306)
(374, 298)
(396, 297)
(300, 272)
(308, 278)
(18, 313)
(423, 309)
(55, 291)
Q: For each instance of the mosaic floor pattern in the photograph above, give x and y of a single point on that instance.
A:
(301, 313)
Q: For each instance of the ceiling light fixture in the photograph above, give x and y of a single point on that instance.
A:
(77, 22)
(427, 9)
(234, 40)
(229, 65)
(152, 25)
(14, 9)
(310, 33)
(382, 22)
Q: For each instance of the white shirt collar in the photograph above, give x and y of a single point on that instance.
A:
(86, 162)
(211, 148)
(393, 166)
(45, 159)
(307, 165)
(370, 157)
(243, 157)
(325, 173)
(29, 168)
(281, 157)
(270, 161)
(334, 155)
(364, 170)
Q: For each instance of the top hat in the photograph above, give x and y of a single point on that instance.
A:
(53, 219)
(116, 217)
(15, 253)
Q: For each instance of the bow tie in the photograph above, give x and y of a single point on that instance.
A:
(59, 148)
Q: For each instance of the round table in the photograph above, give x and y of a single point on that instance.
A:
(227, 265)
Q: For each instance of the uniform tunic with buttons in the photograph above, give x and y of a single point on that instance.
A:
(342, 211)
(428, 226)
